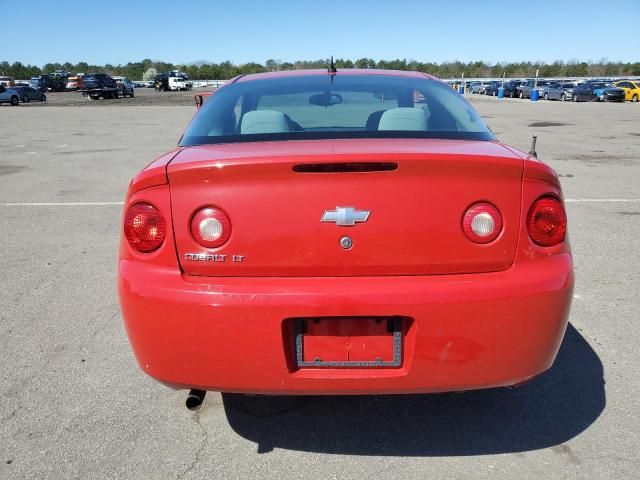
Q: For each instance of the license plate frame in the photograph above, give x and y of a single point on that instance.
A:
(395, 337)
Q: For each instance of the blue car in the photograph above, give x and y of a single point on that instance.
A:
(597, 91)
(9, 95)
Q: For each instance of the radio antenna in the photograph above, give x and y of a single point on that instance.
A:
(332, 67)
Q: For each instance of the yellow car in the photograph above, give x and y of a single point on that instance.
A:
(631, 89)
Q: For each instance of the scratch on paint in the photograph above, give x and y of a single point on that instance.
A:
(445, 351)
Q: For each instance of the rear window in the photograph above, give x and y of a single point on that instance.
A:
(338, 106)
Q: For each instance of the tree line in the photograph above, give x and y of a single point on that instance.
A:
(226, 70)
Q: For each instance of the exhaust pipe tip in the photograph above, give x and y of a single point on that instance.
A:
(195, 399)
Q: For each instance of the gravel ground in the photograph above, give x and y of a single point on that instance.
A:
(142, 97)
(74, 404)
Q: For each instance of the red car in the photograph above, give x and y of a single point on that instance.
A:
(350, 232)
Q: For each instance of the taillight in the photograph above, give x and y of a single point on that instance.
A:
(482, 223)
(547, 222)
(210, 227)
(144, 227)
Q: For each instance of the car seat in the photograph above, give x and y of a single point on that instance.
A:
(264, 121)
(403, 119)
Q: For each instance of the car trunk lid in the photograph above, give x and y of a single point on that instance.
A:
(400, 203)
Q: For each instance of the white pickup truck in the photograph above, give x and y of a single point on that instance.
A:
(177, 83)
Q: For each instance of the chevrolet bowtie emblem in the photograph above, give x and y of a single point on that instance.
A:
(345, 216)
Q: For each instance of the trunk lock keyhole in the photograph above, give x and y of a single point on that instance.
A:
(346, 243)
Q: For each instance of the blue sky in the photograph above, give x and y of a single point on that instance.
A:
(243, 30)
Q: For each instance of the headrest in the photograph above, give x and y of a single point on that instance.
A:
(264, 121)
(403, 119)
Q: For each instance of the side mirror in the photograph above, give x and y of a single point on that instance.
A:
(199, 99)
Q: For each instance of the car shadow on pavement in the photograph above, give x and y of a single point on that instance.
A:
(552, 409)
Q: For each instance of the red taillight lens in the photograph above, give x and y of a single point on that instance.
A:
(210, 227)
(482, 223)
(144, 227)
(547, 222)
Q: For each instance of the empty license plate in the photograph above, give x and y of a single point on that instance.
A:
(355, 342)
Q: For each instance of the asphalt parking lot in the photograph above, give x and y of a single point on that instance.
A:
(74, 404)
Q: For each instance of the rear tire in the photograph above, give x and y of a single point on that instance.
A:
(521, 95)
(15, 101)
(546, 96)
(634, 99)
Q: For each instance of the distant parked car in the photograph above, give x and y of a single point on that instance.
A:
(99, 85)
(75, 83)
(39, 82)
(27, 94)
(125, 86)
(9, 95)
(631, 89)
(475, 87)
(97, 81)
(57, 81)
(529, 85)
(562, 91)
(595, 91)
(491, 88)
(524, 89)
(511, 88)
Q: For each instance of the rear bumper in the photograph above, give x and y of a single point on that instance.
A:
(228, 334)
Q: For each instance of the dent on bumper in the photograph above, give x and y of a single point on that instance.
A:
(228, 334)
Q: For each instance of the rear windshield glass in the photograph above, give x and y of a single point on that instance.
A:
(339, 106)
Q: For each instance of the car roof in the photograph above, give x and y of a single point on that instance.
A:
(344, 71)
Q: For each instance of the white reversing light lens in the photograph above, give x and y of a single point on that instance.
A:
(483, 224)
(210, 229)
